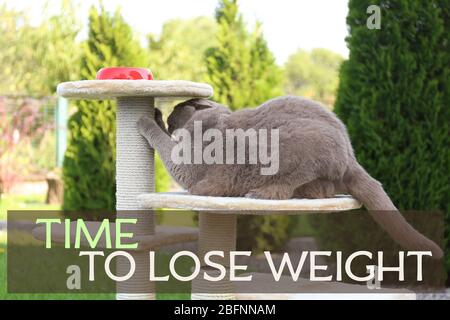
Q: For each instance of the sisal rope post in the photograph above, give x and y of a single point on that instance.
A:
(217, 232)
(134, 176)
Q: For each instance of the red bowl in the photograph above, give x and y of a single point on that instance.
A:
(124, 73)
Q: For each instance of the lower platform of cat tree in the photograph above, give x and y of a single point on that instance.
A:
(186, 201)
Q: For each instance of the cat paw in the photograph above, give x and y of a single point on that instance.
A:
(207, 188)
(159, 119)
(270, 193)
(253, 195)
(158, 114)
(146, 125)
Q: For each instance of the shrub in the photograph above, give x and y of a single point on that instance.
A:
(89, 163)
(394, 98)
(244, 74)
(25, 141)
(264, 232)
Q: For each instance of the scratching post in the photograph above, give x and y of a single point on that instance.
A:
(134, 158)
(217, 232)
(135, 165)
(135, 190)
(134, 176)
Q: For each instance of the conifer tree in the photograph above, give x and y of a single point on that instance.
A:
(89, 164)
(394, 97)
(241, 67)
(243, 72)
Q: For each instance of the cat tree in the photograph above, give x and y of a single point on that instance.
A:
(135, 184)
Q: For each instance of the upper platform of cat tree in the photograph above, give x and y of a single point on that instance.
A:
(183, 200)
(108, 89)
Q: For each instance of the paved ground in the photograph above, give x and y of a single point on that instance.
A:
(434, 296)
(29, 187)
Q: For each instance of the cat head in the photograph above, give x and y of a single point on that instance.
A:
(185, 110)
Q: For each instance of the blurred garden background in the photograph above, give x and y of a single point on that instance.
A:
(391, 88)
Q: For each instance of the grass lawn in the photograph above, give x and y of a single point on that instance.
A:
(37, 202)
(4, 295)
(23, 202)
(15, 296)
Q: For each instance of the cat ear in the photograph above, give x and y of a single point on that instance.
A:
(201, 104)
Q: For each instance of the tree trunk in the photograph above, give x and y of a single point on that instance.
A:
(55, 189)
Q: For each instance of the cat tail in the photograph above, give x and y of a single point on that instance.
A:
(370, 193)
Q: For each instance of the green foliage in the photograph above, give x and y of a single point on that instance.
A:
(34, 59)
(23, 202)
(27, 143)
(264, 232)
(243, 73)
(394, 97)
(265, 76)
(178, 52)
(162, 177)
(241, 68)
(89, 164)
(313, 74)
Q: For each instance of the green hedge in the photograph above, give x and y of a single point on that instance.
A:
(264, 232)
(89, 164)
(394, 98)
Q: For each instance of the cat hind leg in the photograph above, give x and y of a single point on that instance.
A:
(316, 189)
(273, 192)
(206, 187)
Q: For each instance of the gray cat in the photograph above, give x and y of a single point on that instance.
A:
(316, 160)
